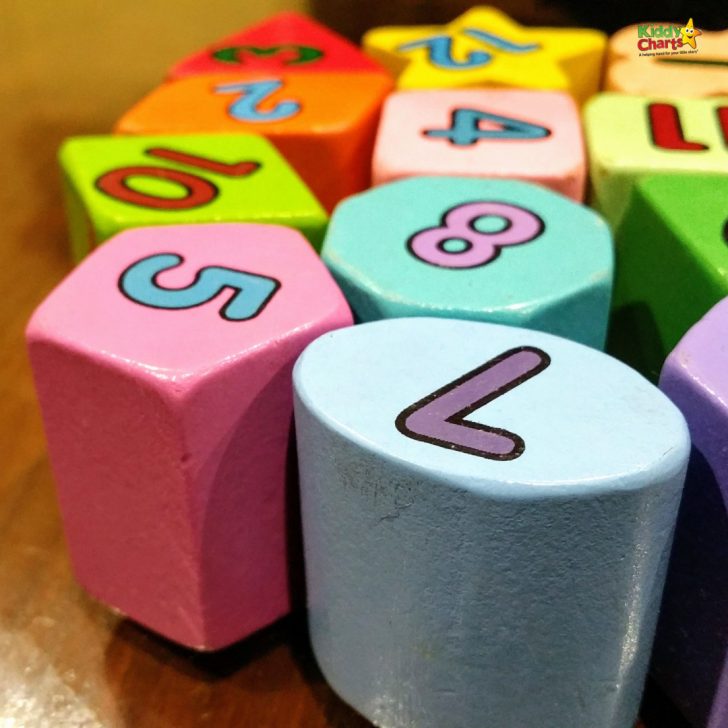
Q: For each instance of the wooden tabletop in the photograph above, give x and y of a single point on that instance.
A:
(65, 661)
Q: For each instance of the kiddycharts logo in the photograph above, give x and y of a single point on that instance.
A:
(667, 40)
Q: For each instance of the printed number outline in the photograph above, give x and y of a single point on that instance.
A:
(180, 260)
(411, 241)
(115, 182)
(513, 129)
(233, 54)
(459, 418)
(253, 93)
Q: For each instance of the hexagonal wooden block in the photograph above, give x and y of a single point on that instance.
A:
(286, 41)
(323, 123)
(634, 66)
(672, 248)
(530, 135)
(484, 47)
(487, 514)
(163, 364)
(483, 249)
(690, 659)
(632, 136)
(115, 183)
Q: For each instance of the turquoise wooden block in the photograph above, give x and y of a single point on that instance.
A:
(487, 516)
(492, 250)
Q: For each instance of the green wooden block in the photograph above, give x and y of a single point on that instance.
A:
(495, 250)
(632, 136)
(113, 183)
(672, 265)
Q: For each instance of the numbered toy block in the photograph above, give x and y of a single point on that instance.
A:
(163, 366)
(324, 124)
(469, 551)
(484, 47)
(690, 660)
(672, 265)
(115, 183)
(493, 250)
(284, 42)
(681, 61)
(631, 136)
(529, 135)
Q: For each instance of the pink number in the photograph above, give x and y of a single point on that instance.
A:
(522, 226)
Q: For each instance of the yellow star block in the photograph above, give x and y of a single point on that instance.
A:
(484, 47)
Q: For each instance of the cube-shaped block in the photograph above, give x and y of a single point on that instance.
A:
(487, 516)
(163, 366)
(115, 183)
(672, 253)
(631, 136)
(666, 59)
(529, 135)
(690, 659)
(286, 41)
(484, 47)
(323, 123)
(490, 250)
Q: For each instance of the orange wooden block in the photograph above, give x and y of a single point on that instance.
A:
(324, 124)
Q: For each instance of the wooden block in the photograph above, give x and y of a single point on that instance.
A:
(163, 365)
(482, 249)
(115, 183)
(484, 47)
(529, 135)
(690, 660)
(487, 516)
(327, 141)
(672, 265)
(631, 136)
(638, 63)
(287, 42)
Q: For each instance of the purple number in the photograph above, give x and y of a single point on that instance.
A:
(522, 226)
(440, 420)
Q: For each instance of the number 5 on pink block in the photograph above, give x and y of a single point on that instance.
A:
(458, 223)
(439, 418)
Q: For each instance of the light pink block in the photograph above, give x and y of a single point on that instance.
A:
(169, 428)
(539, 140)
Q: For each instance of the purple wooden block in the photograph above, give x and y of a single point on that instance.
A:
(690, 659)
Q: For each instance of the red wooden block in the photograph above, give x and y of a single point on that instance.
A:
(287, 42)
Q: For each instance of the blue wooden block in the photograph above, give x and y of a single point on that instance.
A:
(491, 250)
(487, 516)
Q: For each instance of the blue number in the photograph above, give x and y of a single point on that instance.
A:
(246, 108)
(251, 292)
(464, 129)
(502, 44)
(440, 53)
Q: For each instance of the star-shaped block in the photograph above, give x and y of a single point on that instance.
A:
(484, 47)
(633, 68)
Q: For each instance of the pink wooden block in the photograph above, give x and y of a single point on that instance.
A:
(529, 135)
(165, 385)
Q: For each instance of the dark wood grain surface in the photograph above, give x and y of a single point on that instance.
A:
(65, 661)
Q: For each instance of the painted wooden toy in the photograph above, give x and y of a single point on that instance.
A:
(484, 249)
(672, 252)
(487, 516)
(328, 142)
(115, 183)
(530, 135)
(484, 47)
(690, 659)
(631, 136)
(163, 366)
(287, 42)
(677, 63)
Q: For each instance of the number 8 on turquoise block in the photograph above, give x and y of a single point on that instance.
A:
(502, 251)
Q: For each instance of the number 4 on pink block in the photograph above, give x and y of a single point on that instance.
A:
(439, 418)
